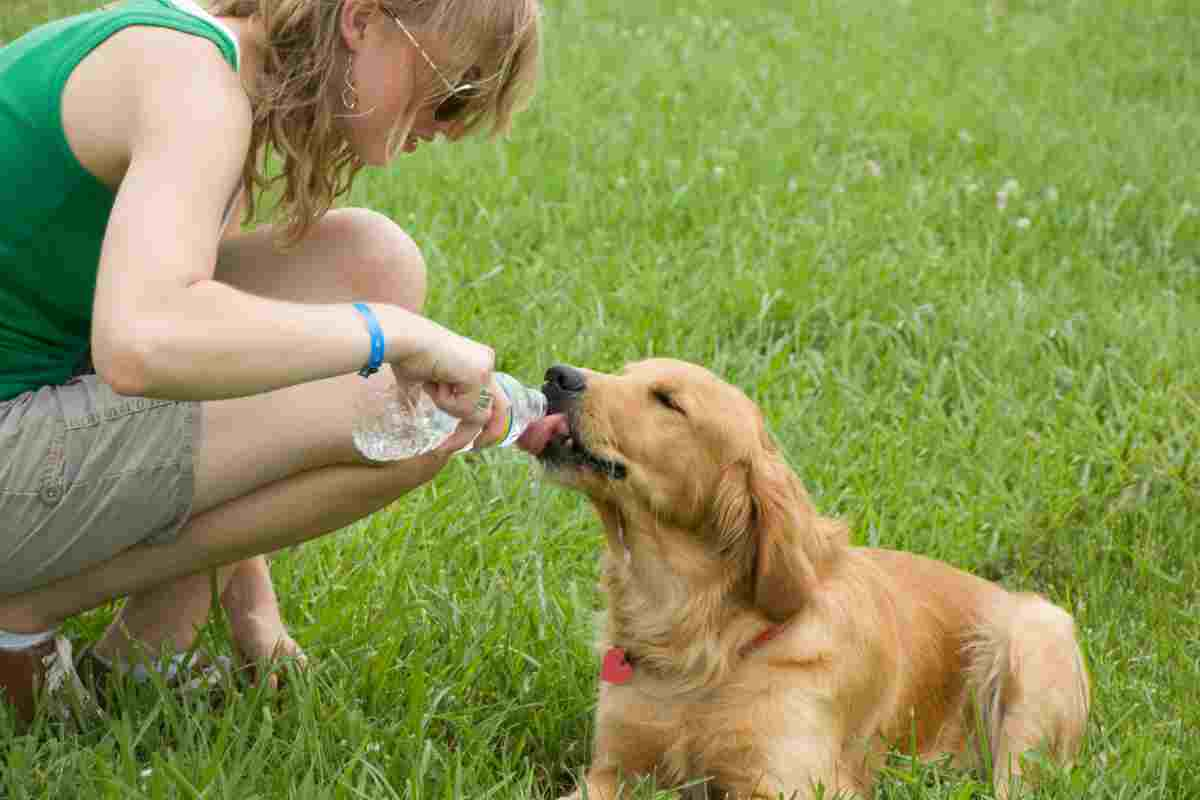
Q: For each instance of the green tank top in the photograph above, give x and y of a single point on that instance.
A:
(53, 213)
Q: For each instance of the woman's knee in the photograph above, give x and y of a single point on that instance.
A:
(351, 254)
(386, 264)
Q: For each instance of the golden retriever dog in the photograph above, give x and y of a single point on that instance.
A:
(748, 649)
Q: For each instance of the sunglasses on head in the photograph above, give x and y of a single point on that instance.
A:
(458, 96)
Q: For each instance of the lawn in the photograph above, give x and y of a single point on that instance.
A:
(951, 247)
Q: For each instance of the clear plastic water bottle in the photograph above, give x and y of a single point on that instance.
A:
(394, 425)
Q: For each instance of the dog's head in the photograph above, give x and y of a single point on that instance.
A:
(667, 444)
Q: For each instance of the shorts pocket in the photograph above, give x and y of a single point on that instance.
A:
(32, 447)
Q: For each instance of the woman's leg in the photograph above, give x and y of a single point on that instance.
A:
(277, 515)
(271, 470)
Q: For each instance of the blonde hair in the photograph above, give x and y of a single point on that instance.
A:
(297, 95)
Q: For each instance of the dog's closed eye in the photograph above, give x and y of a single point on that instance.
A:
(666, 399)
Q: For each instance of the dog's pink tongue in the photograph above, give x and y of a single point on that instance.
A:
(540, 432)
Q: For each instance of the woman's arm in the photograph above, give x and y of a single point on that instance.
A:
(162, 326)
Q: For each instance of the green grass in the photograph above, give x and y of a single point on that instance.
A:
(801, 194)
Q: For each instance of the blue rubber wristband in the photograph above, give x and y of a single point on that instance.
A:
(375, 361)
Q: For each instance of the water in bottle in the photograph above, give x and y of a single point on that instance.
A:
(400, 422)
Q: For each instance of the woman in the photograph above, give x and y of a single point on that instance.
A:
(215, 425)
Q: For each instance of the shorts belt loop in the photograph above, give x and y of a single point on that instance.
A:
(52, 470)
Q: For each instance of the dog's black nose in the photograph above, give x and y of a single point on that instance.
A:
(566, 379)
(563, 387)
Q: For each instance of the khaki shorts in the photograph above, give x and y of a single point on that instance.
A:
(86, 473)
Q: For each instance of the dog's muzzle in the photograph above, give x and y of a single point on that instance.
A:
(563, 387)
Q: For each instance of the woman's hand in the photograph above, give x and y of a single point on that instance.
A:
(457, 374)
(484, 415)
(453, 369)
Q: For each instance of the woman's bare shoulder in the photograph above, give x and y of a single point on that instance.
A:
(145, 80)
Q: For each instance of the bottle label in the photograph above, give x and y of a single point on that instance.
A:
(512, 432)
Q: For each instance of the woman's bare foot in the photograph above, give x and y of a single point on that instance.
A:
(264, 642)
(261, 638)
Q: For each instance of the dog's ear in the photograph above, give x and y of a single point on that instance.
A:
(765, 522)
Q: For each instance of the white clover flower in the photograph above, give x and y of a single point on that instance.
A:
(873, 168)
(1023, 223)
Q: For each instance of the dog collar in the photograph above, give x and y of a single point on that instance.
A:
(617, 666)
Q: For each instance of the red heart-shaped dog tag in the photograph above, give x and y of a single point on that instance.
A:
(616, 669)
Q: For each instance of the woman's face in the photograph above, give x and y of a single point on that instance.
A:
(392, 84)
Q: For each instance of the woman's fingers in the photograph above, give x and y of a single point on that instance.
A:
(470, 403)
(463, 438)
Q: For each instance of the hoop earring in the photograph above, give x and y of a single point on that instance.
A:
(349, 91)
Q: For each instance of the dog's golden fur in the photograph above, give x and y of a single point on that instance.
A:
(711, 541)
